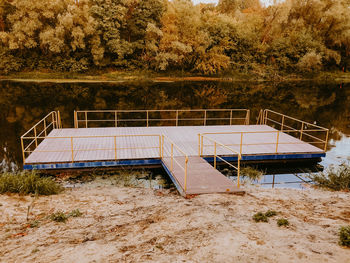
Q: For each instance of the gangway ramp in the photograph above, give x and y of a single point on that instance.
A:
(202, 178)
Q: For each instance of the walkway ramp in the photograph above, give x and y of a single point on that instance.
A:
(202, 178)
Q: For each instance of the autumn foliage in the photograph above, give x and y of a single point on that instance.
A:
(161, 35)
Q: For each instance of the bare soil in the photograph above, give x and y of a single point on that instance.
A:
(144, 225)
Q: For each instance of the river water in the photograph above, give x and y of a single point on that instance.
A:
(22, 104)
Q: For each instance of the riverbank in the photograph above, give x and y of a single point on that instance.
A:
(141, 76)
(145, 225)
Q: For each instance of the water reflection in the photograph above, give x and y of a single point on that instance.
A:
(22, 104)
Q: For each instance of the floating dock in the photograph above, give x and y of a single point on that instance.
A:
(183, 150)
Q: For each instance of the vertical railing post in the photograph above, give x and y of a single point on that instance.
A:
(301, 131)
(282, 123)
(53, 120)
(160, 146)
(172, 156)
(35, 138)
(231, 117)
(215, 155)
(241, 144)
(115, 118)
(326, 141)
(86, 120)
(115, 147)
(147, 117)
(23, 153)
(265, 117)
(278, 135)
(247, 118)
(201, 145)
(71, 146)
(45, 132)
(177, 118)
(185, 185)
(59, 120)
(75, 119)
(205, 118)
(238, 170)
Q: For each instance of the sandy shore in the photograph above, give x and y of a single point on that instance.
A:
(144, 225)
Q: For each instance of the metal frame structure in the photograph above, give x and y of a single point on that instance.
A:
(295, 127)
(148, 120)
(216, 156)
(166, 139)
(50, 122)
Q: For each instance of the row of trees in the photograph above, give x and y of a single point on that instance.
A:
(71, 35)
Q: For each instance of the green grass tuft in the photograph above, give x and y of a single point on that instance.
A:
(28, 183)
(270, 213)
(282, 222)
(251, 173)
(75, 213)
(344, 236)
(260, 217)
(59, 216)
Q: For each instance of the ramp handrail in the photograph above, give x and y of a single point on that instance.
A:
(216, 155)
(300, 129)
(115, 147)
(82, 116)
(50, 122)
(166, 139)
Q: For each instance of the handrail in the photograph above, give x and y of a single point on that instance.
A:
(241, 143)
(147, 119)
(53, 119)
(216, 155)
(114, 148)
(172, 160)
(303, 130)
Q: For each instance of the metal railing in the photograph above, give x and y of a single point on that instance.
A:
(72, 143)
(229, 152)
(170, 117)
(33, 137)
(166, 152)
(304, 131)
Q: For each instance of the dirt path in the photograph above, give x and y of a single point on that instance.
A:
(142, 225)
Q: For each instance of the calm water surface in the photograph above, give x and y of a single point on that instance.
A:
(22, 104)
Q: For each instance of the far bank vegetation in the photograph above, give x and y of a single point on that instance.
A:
(292, 36)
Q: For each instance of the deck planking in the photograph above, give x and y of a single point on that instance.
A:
(57, 150)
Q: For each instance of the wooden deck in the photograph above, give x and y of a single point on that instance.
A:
(58, 150)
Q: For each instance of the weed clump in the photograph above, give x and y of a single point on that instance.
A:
(28, 183)
(75, 213)
(264, 217)
(335, 178)
(251, 173)
(260, 217)
(344, 236)
(282, 222)
(270, 213)
(59, 216)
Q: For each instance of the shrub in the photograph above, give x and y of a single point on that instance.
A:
(28, 183)
(260, 217)
(75, 213)
(344, 236)
(251, 173)
(282, 222)
(335, 178)
(59, 216)
(270, 213)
